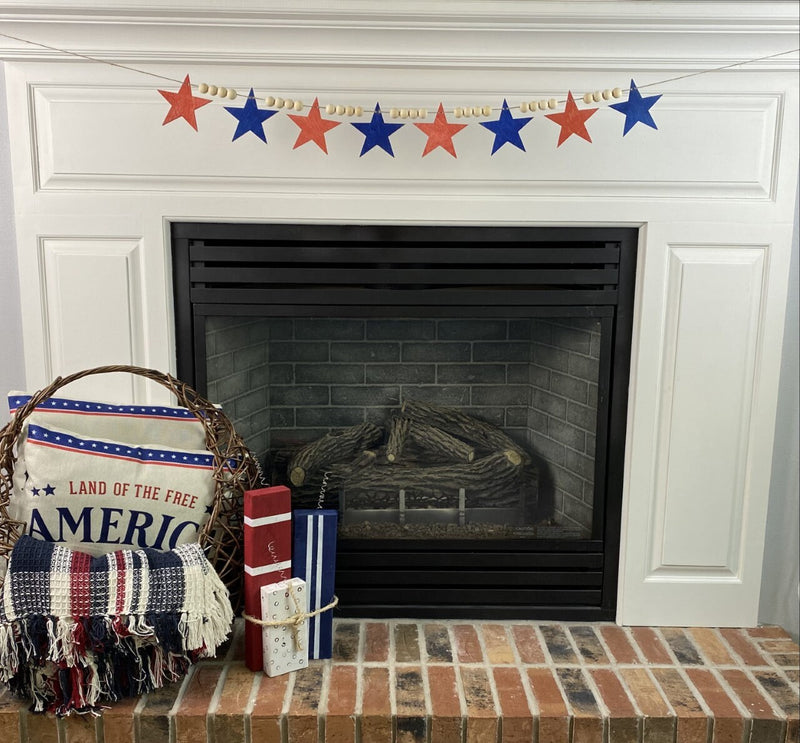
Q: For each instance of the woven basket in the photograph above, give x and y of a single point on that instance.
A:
(221, 537)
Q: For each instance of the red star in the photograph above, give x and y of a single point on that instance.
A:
(313, 127)
(440, 133)
(182, 104)
(572, 121)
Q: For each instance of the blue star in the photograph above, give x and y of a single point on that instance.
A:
(377, 132)
(251, 118)
(636, 109)
(49, 490)
(34, 491)
(506, 129)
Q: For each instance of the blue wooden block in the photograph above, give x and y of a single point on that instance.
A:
(314, 560)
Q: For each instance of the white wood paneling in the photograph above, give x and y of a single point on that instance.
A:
(92, 309)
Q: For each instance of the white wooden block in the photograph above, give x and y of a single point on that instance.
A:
(285, 648)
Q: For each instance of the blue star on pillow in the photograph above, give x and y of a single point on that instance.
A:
(506, 129)
(377, 132)
(636, 109)
(251, 118)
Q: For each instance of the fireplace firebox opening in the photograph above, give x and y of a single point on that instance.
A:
(459, 394)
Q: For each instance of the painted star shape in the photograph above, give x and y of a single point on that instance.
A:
(506, 129)
(440, 133)
(377, 132)
(636, 109)
(313, 127)
(183, 104)
(572, 120)
(251, 118)
(49, 490)
(34, 491)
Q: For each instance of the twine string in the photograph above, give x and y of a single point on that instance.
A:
(294, 621)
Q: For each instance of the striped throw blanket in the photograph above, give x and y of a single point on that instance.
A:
(77, 631)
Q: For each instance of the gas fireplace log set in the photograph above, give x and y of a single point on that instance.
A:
(454, 452)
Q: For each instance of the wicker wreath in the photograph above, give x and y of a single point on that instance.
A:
(221, 537)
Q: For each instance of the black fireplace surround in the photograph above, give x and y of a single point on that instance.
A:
(439, 275)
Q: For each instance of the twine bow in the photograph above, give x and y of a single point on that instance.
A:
(294, 621)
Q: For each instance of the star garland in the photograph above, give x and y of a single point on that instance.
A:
(377, 132)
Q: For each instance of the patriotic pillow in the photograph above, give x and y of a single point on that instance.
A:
(135, 424)
(100, 495)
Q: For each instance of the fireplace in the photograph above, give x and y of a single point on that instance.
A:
(458, 394)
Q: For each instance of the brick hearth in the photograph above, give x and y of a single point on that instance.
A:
(492, 682)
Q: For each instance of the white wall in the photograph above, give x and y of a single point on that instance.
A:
(12, 371)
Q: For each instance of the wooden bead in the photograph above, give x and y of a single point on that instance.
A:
(541, 105)
(232, 94)
(270, 100)
(587, 98)
(222, 92)
(467, 111)
(413, 113)
(476, 111)
(288, 103)
(423, 113)
(330, 108)
(298, 106)
(279, 103)
(349, 110)
(339, 110)
(606, 94)
(523, 107)
(617, 93)
(359, 110)
(596, 96)
(403, 113)
(212, 89)
(394, 113)
(203, 87)
(552, 103)
(458, 113)
(487, 110)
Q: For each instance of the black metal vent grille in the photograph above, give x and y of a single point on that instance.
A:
(402, 271)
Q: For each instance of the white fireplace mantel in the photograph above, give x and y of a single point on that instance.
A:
(97, 179)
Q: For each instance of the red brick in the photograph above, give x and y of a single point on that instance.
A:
(376, 643)
(587, 722)
(495, 640)
(588, 645)
(691, 719)
(617, 641)
(118, 721)
(558, 644)
(517, 719)
(768, 631)
(553, 717)
(786, 698)
(711, 646)
(41, 728)
(80, 729)
(10, 717)
(340, 721)
(446, 717)
(345, 641)
(228, 720)
(743, 647)
(729, 724)
(658, 723)
(303, 720)
(779, 646)
(481, 712)
(468, 647)
(406, 643)
(766, 726)
(653, 649)
(267, 713)
(681, 645)
(527, 642)
(437, 643)
(410, 707)
(155, 724)
(191, 717)
(376, 710)
(623, 722)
